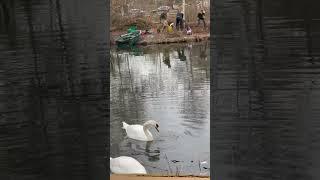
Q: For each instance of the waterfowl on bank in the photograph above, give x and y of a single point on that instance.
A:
(141, 132)
(126, 165)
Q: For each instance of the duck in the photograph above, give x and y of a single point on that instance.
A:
(126, 165)
(141, 132)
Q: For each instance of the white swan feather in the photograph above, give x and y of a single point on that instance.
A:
(126, 165)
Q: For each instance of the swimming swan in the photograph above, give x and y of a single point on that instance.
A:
(126, 165)
(141, 132)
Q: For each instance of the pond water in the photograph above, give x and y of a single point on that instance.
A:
(169, 84)
(265, 90)
(53, 83)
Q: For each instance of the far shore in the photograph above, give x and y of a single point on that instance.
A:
(199, 34)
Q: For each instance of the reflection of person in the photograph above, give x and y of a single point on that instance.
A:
(181, 55)
(201, 16)
(166, 58)
(203, 52)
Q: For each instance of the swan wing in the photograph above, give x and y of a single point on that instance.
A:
(136, 132)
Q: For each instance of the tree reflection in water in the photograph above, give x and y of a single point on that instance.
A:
(54, 90)
(177, 97)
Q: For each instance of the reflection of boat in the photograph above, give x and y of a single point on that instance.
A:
(128, 39)
(132, 50)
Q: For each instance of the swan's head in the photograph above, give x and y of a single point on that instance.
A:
(152, 123)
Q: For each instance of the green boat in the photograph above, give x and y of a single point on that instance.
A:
(128, 39)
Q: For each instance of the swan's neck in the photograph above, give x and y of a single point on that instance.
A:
(147, 133)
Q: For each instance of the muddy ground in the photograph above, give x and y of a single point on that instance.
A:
(199, 33)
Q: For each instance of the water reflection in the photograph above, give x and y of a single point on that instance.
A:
(53, 90)
(181, 54)
(266, 90)
(203, 52)
(166, 57)
(133, 50)
(158, 85)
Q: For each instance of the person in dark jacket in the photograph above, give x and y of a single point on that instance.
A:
(201, 16)
(163, 16)
(179, 20)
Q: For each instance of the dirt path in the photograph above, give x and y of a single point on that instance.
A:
(179, 39)
(199, 34)
(134, 177)
(166, 38)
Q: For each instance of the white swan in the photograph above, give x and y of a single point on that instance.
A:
(126, 165)
(141, 132)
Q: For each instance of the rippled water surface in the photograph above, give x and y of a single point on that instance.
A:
(170, 84)
(53, 84)
(264, 82)
(266, 90)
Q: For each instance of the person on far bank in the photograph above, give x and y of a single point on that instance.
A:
(189, 31)
(201, 16)
(170, 28)
(164, 25)
(179, 20)
(163, 16)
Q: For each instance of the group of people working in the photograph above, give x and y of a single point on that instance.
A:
(180, 23)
